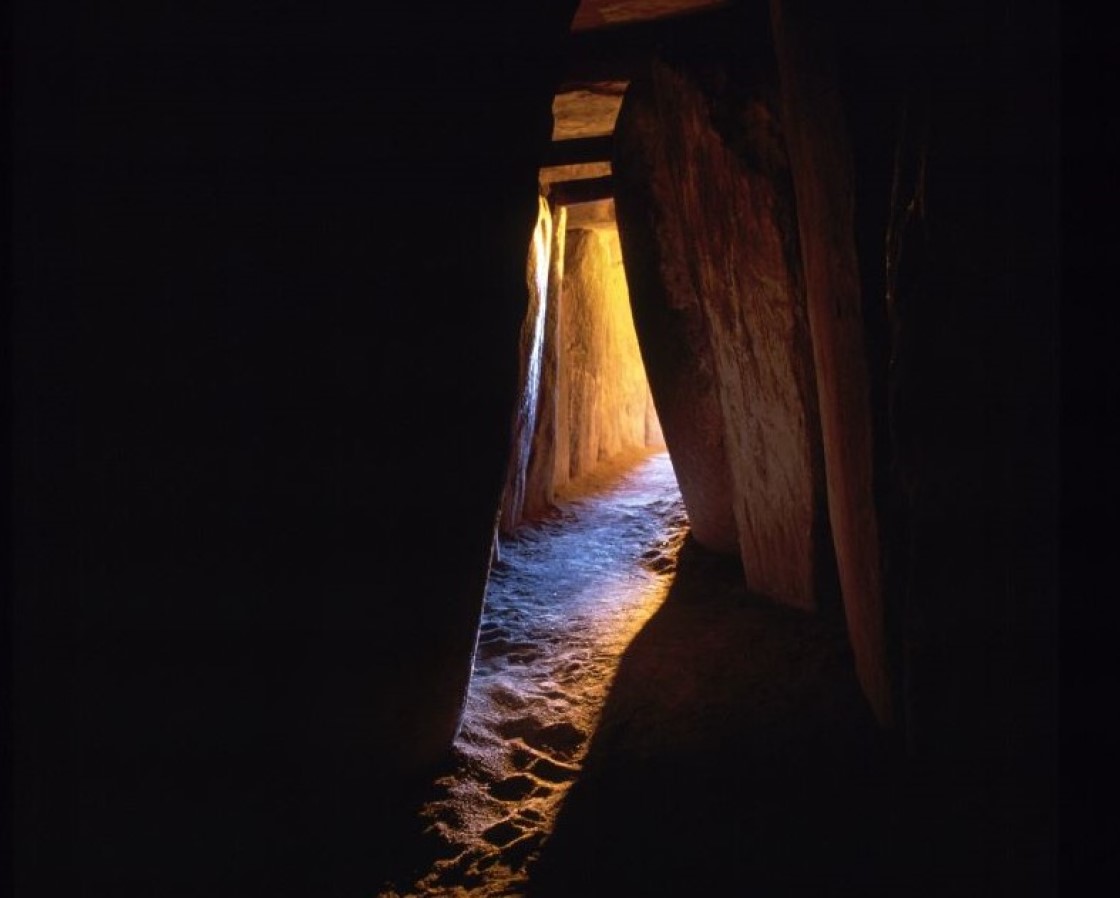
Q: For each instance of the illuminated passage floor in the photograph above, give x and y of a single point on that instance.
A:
(639, 724)
(564, 601)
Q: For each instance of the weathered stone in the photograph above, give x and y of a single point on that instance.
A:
(673, 340)
(540, 485)
(553, 173)
(720, 209)
(590, 215)
(923, 150)
(820, 154)
(604, 386)
(593, 401)
(587, 112)
(531, 353)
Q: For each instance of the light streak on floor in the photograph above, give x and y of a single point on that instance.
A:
(562, 606)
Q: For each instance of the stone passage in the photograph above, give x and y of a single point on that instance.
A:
(584, 396)
(562, 606)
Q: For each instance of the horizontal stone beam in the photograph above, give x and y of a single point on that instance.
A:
(619, 53)
(591, 215)
(586, 190)
(579, 150)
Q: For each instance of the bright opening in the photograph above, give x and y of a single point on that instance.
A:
(592, 520)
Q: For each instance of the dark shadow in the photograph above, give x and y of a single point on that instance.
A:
(310, 816)
(735, 756)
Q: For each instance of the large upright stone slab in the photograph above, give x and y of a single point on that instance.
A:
(820, 150)
(923, 143)
(540, 485)
(537, 371)
(719, 208)
(671, 329)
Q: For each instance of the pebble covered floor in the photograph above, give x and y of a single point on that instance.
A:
(564, 601)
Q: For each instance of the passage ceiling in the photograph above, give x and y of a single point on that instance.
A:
(605, 36)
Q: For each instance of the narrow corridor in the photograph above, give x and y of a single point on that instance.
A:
(563, 603)
(640, 724)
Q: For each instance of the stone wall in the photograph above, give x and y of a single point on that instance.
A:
(704, 200)
(931, 282)
(552, 417)
(271, 278)
(925, 169)
(537, 370)
(881, 187)
(847, 219)
(594, 402)
(820, 152)
(604, 386)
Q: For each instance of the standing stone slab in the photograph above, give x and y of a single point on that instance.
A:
(670, 324)
(721, 210)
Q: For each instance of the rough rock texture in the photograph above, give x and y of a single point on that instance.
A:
(820, 153)
(588, 111)
(603, 384)
(263, 382)
(922, 143)
(532, 377)
(590, 215)
(540, 486)
(674, 347)
(553, 173)
(719, 205)
(263, 374)
(569, 595)
(655, 436)
(592, 401)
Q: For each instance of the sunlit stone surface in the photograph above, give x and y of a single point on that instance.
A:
(562, 606)
(704, 199)
(587, 111)
(531, 352)
(602, 380)
(588, 388)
